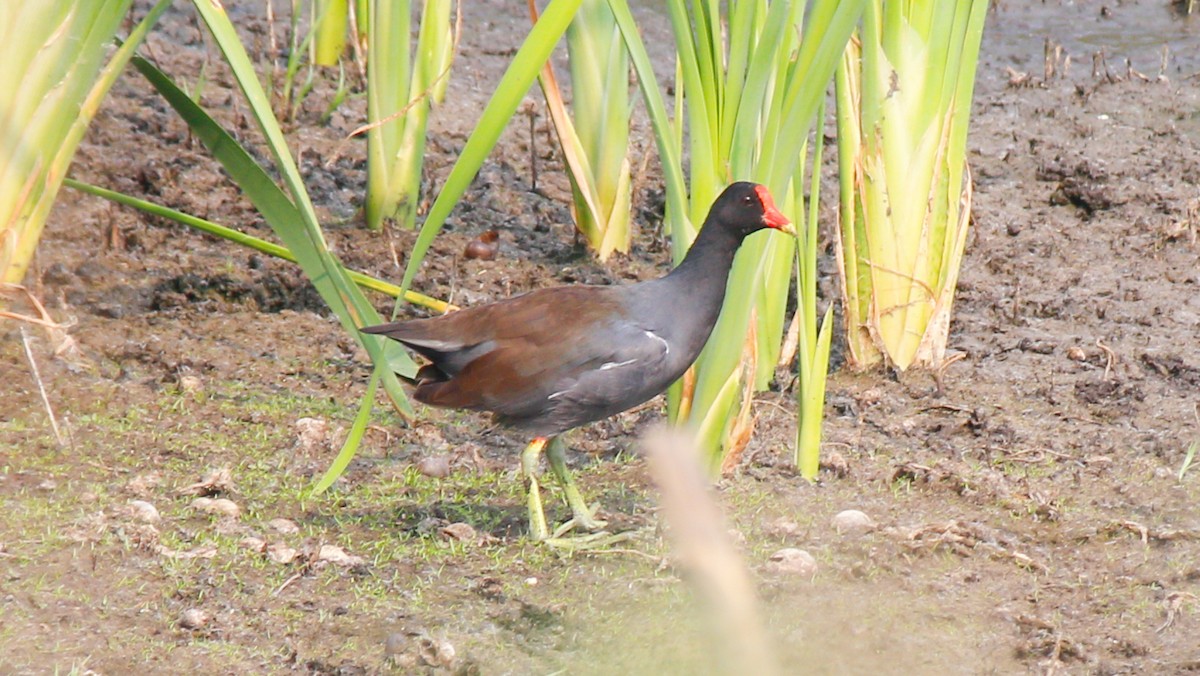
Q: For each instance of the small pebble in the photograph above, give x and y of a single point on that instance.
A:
(222, 506)
(144, 511)
(285, 526)
(436, 653)
(336, 555)
(193, 618)
(226, 507)
(281, 553)
(791, 561)
(143, 484)
(394, 644)
(311, 434)
(463, 532)
(484, 246)
(436, 466)
(835, 462)
(853, 522)
(784, 527)
(189, 383)
(1076, 353)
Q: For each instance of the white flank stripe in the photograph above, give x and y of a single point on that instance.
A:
(616, 365)
(665, 344)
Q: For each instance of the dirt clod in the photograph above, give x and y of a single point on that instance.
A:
(193, 618)
(144, 511)
(463, 532)
(281, 553)
(791, 561)
(215, 482)
(853, 522)
(437, 653)
(338, 556)
(436, 466)
(283, 526)
(311, 434)
(190, 383)
(222, 506)
(395, 643)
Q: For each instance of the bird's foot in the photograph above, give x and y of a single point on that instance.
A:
(582, 543)
(589, 524)
(581, 516)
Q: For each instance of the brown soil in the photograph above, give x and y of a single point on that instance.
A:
(1031, 514)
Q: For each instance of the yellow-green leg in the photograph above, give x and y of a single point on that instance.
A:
(556, 453)
(538, 530)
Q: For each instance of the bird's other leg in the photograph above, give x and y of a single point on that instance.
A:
(538, 530)
(556, 452)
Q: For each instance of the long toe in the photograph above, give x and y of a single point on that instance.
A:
(592, 541)
(586, 520)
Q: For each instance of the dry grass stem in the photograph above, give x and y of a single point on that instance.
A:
(37, 377)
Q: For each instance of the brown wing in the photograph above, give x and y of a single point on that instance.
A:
(505, 378)
(503, 356)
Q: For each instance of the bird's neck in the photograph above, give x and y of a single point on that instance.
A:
(695, 290)
(707, 263)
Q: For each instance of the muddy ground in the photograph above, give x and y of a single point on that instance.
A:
(1029, 506)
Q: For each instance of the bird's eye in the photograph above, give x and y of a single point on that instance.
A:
(748, 199)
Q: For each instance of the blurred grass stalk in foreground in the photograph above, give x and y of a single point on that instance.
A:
(54, 77)
(402, 87)
(702, 547)
(595, 135)
(748, 97)
(904, 93)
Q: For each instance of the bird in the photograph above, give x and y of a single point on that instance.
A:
(557, 358)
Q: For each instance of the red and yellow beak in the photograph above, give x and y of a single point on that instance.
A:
(773, 217)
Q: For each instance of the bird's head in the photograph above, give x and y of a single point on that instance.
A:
(747, 208)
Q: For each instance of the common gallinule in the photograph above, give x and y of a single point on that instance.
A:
(553, 359)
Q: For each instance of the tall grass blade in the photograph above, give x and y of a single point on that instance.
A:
(525, 66)
(676, 218)
(252, 242)
(750, 96)
(350, 446)
(52, 83)
(291, 218)
(813, 344)
(595, 136)
(331, 19)
(401, 90)
(1188, 458)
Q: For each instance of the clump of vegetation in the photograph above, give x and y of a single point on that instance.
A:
(904, 101)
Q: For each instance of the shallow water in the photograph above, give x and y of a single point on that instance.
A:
(1123, 30)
